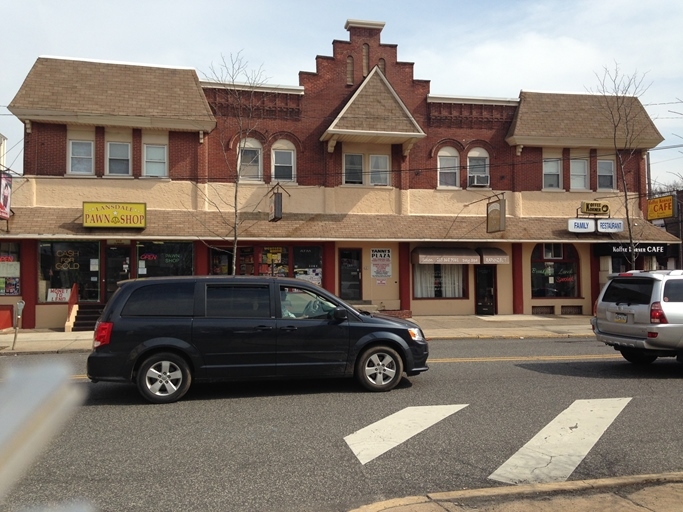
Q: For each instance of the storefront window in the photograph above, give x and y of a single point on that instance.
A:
(63, 264)
(9, 269)
(274, 262)
(308, 264)
(246, 263)
(554, 271)
(164, 259)
(221, 261)
(438, 281)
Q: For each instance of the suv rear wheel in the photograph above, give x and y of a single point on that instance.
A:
(379, 368)
(164, 378)
(637, 356)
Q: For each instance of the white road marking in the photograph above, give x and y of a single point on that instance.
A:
(555, 452)
(372, 441)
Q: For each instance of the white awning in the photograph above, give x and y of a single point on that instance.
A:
(493, 256)
(445, 256)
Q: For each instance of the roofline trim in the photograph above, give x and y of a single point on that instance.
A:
(120, 63)
(472, 100)
(48, 237)
(159, 123)
(283, 89)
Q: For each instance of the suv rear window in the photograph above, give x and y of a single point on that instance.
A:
(673, 290)
(629, 291)
(170, 299)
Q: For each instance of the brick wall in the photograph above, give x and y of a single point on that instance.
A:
(45, 150)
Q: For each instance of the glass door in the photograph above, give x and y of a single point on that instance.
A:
(117, 267)
(485, 283)
(350, 274)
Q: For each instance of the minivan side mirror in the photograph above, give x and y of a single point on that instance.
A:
(340, 313)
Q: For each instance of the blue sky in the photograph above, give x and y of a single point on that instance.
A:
(485, 48)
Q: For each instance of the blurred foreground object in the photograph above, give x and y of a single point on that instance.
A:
(35, 403)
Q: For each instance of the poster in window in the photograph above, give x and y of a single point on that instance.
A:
(381, 262)
(12, 286)
(5, 194)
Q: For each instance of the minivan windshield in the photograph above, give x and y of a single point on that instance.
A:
(629, 291)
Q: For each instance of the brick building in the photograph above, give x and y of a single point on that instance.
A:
(391, 196)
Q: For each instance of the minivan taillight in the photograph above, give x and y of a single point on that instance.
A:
(102, 334)
(657, 315)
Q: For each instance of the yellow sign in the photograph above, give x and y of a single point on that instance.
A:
(594, 207)
(660, 208)
(114, 215)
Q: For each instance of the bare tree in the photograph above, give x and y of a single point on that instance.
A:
(238, 101)
(628, 120)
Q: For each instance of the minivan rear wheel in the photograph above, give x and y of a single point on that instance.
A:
(164, 378)
(637, 357)
(379, 368)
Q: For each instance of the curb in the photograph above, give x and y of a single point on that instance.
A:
(521, 491)
(5, 353)
(508, 336)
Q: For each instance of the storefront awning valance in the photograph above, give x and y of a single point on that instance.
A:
(445, 256)
(493, 256)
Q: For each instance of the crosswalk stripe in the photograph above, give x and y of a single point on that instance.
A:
(555, 452)
(372, 441)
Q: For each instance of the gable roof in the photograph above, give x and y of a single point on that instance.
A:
(581, 121)
(58, 90)
(374, 114)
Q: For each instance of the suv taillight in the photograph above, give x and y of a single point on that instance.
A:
(657, 315)
(102, 334)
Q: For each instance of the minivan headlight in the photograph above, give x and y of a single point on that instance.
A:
(416, 334)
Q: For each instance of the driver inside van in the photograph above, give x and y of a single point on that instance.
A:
(284, 301)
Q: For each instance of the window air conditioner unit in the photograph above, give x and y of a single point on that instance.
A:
(479, 180)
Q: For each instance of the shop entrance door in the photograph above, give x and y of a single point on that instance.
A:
(350, 274)
(485, 284)
(117, 267)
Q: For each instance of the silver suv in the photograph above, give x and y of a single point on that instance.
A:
(640, 314)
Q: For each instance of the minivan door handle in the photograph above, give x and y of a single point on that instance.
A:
(289, 328)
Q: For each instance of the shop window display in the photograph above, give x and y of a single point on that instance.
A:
(157, 259)
(63, 264)
(554, 271)
(9, 269)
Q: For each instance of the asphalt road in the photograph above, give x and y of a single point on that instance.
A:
(280, 445)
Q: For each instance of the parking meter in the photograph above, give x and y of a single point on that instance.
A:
(18, 308)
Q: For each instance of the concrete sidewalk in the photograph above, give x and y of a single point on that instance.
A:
(654, 493)
(640, 493)
(45, 341)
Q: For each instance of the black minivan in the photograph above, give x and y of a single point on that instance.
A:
(163, 333)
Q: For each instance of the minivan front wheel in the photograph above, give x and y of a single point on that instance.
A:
(379, 368)
(164, 378)
(637, 357)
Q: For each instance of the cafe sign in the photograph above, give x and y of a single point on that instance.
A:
(114, 215)
(660, 208)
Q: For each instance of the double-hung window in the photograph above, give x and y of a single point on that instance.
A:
(353, 169)
(249, 161)
(606, 174)
(448, 167)
(81, 154)
(119, 158)
(478, 168)
(551, 173)
(283, 165)
(379, 170)
(579, 174)
(155, 160)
